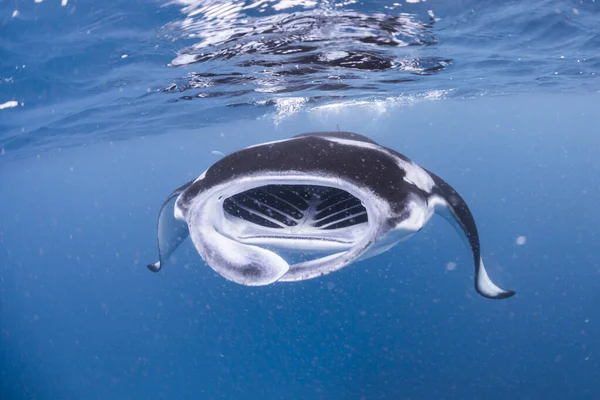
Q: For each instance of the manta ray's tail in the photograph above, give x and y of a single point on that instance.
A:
(450, 205)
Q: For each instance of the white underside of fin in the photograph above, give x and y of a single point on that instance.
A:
(485, 285)
(155, 267)
(487, 288)
(172, 230)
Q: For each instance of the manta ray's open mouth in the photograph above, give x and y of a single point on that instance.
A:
(303, 217)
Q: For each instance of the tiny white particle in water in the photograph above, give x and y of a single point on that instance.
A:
(587, 321)
(521, 240)
(575, 11)
(64, 2)
(558, 358)
(562, 57)
(413, 1)
(124, 56)
(217, 153)
(37, 1)
(451, 266)
(15, 13)
(9, 104)
(2, 152)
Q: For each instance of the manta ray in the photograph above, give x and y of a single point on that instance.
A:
(339, 195)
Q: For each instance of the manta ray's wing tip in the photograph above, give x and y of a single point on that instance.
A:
(504, 294)
(487, 288)
(155, 267)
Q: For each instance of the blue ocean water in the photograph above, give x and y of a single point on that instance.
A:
(106, 107)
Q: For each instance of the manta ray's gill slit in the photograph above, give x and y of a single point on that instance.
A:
(300, 193)
(271, 200)
(334, 198)
(335, 208)
(348, 221)
(296, 210)
(289, 195)
(297, 206)
(342, 216)
(265, 211)
(238, 211)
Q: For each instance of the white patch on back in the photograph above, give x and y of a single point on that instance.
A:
(352, 142)
(270, 143)
(202, 176)
(414, 174)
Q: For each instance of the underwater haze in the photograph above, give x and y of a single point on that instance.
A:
(106, 107)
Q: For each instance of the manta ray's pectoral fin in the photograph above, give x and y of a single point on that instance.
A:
(171, 232)
(450, 205)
